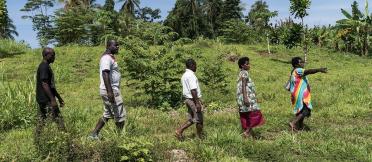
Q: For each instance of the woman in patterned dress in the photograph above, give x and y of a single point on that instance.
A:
(249, 110)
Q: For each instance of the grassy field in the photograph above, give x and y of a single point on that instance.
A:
(341, 123)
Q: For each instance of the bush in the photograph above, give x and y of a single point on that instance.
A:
(17, 105)
(157, 72)
(10, 47)
(134, 149)
(53, 145)
(236, 31)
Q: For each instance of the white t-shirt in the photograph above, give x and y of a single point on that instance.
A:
(189, 82)
(108, 62)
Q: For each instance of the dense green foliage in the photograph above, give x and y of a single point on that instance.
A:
(86, 23)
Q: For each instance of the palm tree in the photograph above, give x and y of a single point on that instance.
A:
(129, 6)
(7, 28)
(74, 3)
(212, 9)
(358, 24)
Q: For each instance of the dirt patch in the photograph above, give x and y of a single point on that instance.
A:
(178, 156)
(264, 53)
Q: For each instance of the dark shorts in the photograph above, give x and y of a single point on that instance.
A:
(194, 117)
(45, 109)
(305, 111)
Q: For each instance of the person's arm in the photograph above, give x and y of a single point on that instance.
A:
(194, 94)
(245, 94)
(313, 71)
(107, 81)
(60, 100)
(48, 91)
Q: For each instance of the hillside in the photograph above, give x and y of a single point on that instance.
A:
(340, 126)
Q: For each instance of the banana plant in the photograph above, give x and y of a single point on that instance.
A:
(360, 25)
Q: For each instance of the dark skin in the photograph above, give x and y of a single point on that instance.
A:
(49, 58)
(111, 48)
(297, 122)
(195, 98)
(246, 66)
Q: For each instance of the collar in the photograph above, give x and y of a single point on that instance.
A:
(188, 70)
(112, 56)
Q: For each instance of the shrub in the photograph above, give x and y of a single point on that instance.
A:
(134, 149)
(11, 47)
(157, 72)
(17, 105)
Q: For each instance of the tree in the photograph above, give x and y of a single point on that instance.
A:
(109, 6)
(186, 18)
(40, 18)
(76, 3)
(129, 7)
(357, 24)
(259, 15)
(299, 10)
(231, 9)
(148, 14)
(7, 28)
(74, 26)
(212, 9)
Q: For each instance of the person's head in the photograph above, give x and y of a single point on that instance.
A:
(48, 54)
(112, 46)
(243, 63)
(191, 64)
(297, 62)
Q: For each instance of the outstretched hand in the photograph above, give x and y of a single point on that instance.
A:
(323, 70)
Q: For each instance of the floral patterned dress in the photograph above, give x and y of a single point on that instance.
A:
(251, 92)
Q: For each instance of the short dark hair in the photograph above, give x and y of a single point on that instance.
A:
(47, 51)
(189, 63)
(110, 42)
(295, 61)
(242, 61)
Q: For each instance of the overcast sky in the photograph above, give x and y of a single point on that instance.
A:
(322, 12)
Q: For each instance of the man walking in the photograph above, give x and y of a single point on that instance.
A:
(46, 93)
(192, 94)
(110, 90)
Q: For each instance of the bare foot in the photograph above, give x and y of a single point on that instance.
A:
(179, 135)
(246, 134)
(292, 127)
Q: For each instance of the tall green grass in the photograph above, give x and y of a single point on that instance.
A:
(340, 123)
(11, 48)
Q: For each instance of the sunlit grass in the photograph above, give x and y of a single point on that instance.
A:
(340, 123)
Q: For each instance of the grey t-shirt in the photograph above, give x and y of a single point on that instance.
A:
(108, 62)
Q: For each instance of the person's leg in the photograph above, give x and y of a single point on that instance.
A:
(40, 123)
(245, 124)
(300, 124)
(184, 126)
(119, 127)
(119, 113)
(199, 130)
(105, 117)
(189, 122)
(294, 122)
(101, 122)
(306, 112)
(58, 119)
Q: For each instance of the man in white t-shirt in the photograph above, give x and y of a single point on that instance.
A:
(110, 90)
(192, 94)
